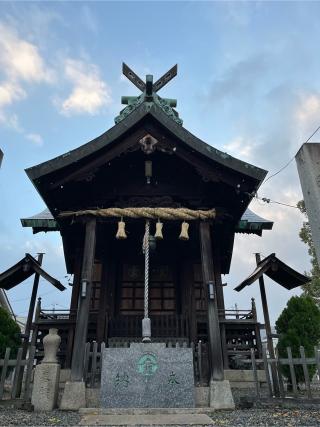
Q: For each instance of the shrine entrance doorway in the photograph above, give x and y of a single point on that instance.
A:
(164, 302)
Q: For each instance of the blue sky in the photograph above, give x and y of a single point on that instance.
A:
(248, 83)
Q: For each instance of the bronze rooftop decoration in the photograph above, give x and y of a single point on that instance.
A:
(149, 93)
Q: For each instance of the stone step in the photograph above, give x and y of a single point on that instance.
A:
(144, 411)
(141, 420)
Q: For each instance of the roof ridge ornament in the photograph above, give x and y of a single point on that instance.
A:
(149, 93)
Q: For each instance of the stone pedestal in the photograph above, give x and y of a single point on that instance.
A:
(45, 386)
(221, 395)
(74, 396)
(147, 375)
(47, 375)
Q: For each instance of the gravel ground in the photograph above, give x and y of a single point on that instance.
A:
(267, 417)
(18, 417)
(245, 417)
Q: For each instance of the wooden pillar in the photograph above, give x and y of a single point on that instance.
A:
(217, 273)
(187, 280)
(76, 284)
(31, 308)
(268, 327)
(220, 298)
(209, 281)
(73, 308)
(102, 313)
(265, 310)
(28, 326)
(84, 301)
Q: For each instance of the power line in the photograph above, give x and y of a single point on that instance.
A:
(287, 164)
(280, 170)
(267, 200)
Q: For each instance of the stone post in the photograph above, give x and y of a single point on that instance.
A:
(47, 375)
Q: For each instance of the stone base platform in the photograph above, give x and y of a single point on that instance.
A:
(143, 411)
(146, 417)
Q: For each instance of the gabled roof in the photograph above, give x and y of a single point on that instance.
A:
(278, 271)
(250, 223)
(21, 271)
(122, 127)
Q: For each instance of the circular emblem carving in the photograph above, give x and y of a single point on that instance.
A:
(147, 364)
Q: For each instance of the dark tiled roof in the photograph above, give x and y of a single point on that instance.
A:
(36, 173)
(25, 268)
(278, 271)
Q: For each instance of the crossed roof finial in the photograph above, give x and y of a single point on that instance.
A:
(149, 87)
(149, 93)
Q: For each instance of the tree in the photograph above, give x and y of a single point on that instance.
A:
(299, 325)
(311, 288)
(9, 334)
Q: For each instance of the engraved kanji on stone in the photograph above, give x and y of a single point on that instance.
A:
(121, 380)
(172, 380)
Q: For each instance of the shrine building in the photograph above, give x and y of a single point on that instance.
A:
(148, 177)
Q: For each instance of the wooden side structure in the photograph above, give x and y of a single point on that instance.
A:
(148, 159)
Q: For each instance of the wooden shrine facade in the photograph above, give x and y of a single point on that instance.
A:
(148, 160)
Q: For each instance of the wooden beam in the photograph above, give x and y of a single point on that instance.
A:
(76, 282)
(133, 77)
(73, 307)
(29, 320)
(102, 313)
(209, 281)
(169, 75)
(220, 296)
(217, 273)
(188, 283)
(31, 307)
(268, 328)
(84, 302)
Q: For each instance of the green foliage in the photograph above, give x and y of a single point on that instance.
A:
(299, 325)
(312, 288)
(9, 334)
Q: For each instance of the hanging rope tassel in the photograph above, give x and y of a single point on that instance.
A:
(159, 226)
(121, 233)
(184, 231)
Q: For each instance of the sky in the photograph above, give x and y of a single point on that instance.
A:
(248, 83)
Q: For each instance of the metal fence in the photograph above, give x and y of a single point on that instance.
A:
(16, 374)
(288, 387)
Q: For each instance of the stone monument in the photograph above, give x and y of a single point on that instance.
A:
(47, 375)
(147, 375)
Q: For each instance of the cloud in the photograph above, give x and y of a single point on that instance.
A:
(240, 147)
(20, 59)
(89, 19)
(35, 138)
(89, 94)
(9, 92)
(20, 64)
(307, 113)
(10, 121)
(241, 79)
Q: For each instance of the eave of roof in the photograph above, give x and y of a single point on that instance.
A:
(122, 127)
(278, 271)
(250, 223)
(22, 270)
